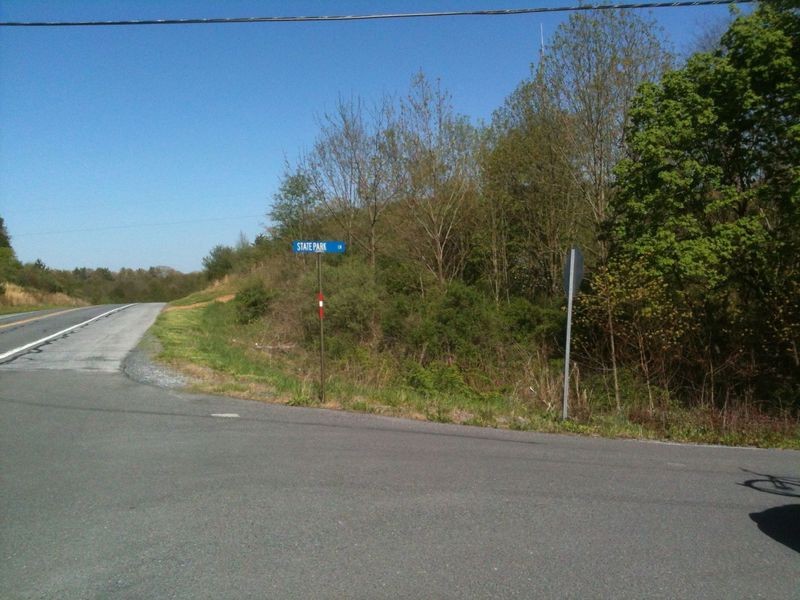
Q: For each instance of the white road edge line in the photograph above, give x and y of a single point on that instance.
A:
(5, 355)
(225, 415)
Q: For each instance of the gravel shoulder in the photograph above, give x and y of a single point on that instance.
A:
(141, 366)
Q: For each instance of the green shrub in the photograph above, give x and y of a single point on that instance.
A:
(419, 378)
(525, 321)
(437, 378)
(252, 302)
(459, 323)
(219, 262)
(352, 302)
(394, 320)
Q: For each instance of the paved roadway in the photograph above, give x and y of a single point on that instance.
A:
(114, 489)
(18, 331)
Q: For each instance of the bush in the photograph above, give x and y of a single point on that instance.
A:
(352, 302)
(252, 302)
(528, 322)
(219, 262)
(459, 323)
(437, 378)
(395, 320)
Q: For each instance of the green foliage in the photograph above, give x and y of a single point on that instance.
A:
(5, 239)
(527, 322)
(708, 208)
(37, 275)
(9, 265)
(293, 207)
(100, 286)
(252, 301)
(458, 322)
(219, 262)
(437, 378)
(352, 300)
(448, 304)
(395, 319)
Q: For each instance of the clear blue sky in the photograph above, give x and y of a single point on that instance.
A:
(143, 146)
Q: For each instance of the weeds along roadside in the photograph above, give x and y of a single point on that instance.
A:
(15, 298)
(437, 359)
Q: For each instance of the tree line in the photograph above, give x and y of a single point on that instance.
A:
(95, 286)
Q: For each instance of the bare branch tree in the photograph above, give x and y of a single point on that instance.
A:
(594, 66)
(356, 162)
(439, 155)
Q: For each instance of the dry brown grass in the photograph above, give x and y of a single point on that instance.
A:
(17, 296)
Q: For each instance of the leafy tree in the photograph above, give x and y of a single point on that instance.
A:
(5, 239)
(293, 207)
(219, 262)
(530, 196)
(547, 174)
(9, 265)
(639, 317)
(709, 199)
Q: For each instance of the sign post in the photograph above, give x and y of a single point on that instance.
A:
(319, 248)
(573, 274)
(321, 332)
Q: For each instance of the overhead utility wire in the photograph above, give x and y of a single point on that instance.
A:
(299, 19)
(135, 226)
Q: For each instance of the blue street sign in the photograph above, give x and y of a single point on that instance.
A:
(317, 246)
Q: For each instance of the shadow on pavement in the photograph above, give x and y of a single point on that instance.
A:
(774, 484)
(781, 523)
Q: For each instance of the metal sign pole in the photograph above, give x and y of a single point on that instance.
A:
(321, 333)
(571, 275)
(320, 247)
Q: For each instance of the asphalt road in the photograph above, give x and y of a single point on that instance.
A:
(18, 330)
(114, 489)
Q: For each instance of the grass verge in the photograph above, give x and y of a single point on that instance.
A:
(202, 342)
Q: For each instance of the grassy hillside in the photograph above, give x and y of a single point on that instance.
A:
(448, 304)
(262, 344)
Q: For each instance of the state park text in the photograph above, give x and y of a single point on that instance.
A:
(318, 246)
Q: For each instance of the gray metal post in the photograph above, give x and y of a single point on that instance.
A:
(565, 405)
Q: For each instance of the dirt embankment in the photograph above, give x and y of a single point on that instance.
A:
(225, 298)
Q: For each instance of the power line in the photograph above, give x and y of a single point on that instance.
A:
(135, 226)
(373, 17)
